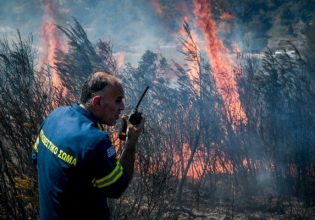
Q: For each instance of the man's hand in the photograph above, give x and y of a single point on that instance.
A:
(134, 131)
(128, 157)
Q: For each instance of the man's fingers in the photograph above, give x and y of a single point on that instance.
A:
(134, 131)
(141, 124)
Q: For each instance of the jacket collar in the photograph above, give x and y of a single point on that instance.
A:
(88, 114)
(85, 112)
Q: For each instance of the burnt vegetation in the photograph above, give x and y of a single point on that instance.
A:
(192, 160)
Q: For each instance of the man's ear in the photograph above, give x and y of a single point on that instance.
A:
(96, 101)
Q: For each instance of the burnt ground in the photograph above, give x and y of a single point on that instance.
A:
(254, 210)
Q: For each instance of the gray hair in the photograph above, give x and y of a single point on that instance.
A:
(97, 81)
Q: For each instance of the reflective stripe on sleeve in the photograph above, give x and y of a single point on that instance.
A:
(36, 145)
(110, 178)
(99, 126)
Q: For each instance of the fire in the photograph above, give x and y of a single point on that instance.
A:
(236, 49)
(226, 16)
(158, 7)
(221, 63)
(120, 58)
(51, 40)
(116, 142)
(219, 162)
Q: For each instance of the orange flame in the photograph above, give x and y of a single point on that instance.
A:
(221, 62)
(120, 58)
(220, 163)
(51, 40)
(236, 50)
(116, 142)
(158, 7)
(226, 16)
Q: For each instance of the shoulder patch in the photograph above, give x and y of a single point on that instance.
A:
(111, 151)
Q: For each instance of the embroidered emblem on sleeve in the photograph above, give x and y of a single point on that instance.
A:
(111, 151)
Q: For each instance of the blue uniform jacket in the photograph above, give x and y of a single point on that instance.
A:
(77, 166)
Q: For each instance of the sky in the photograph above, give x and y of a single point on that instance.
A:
(134, 26)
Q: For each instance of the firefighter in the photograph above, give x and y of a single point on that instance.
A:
(76, 160)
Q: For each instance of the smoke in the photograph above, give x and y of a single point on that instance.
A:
(268, 23)
(129, 25)
(136, 26)
(19, 15)
(158, 7)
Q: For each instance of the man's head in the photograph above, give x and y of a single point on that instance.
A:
(102, 94)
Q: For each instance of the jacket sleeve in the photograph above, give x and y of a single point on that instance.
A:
(108, 173)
